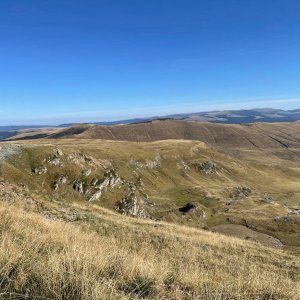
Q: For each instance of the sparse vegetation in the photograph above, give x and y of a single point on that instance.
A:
(135, 259)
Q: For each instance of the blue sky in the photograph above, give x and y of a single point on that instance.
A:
(83, 60)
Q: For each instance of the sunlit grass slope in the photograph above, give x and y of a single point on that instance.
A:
(118, 257)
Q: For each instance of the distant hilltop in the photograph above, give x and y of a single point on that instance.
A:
(243, 116)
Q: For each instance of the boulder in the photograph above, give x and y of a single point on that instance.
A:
(60, 181)
(55, 161)
(40, 170)
(59, 152)
(78, 187)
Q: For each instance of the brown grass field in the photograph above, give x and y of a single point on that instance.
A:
(124, 258)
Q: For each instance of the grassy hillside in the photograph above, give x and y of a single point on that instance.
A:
(157, 180)
(104, 255)
(258, 135)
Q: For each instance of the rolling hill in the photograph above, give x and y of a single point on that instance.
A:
(260, 135)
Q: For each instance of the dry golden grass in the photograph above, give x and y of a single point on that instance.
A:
(133, 259)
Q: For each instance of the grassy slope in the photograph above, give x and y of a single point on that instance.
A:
(109, 256)
(169, 186)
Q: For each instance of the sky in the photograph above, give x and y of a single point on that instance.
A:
(86, 60)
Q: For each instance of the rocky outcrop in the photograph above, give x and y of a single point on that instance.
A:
(78, 187)
(208, 167)
(193, 208)
(40, 170)
(294, 211)
(55, 161)
(60, 181)
(111, 180)
(134, 203)
(59, 152)
(131, 205)
(240, 192)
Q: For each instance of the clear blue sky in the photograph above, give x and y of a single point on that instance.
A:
(83, 60)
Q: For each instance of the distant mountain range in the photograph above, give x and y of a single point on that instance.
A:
(255, 115)
(244, 116)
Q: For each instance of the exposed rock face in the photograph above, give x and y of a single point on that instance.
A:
(78, 187)
(96, 196)
(55, 161)
(240, 192)
(111, 180)
(59, 152)
(208, 167)
(193, 208)
(295, 211)
(40, 170)
(60, 181)
(131, 206)
(94, 181)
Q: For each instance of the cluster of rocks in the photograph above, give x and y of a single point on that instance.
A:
(240, 192)
(54, 160)
(130, 205)
(40, 170)
(61, 179)
(111, 180)
(133, 203)
(208, 167)
(294, 211)
(93, 190)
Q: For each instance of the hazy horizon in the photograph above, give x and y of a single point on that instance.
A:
(129, 117)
